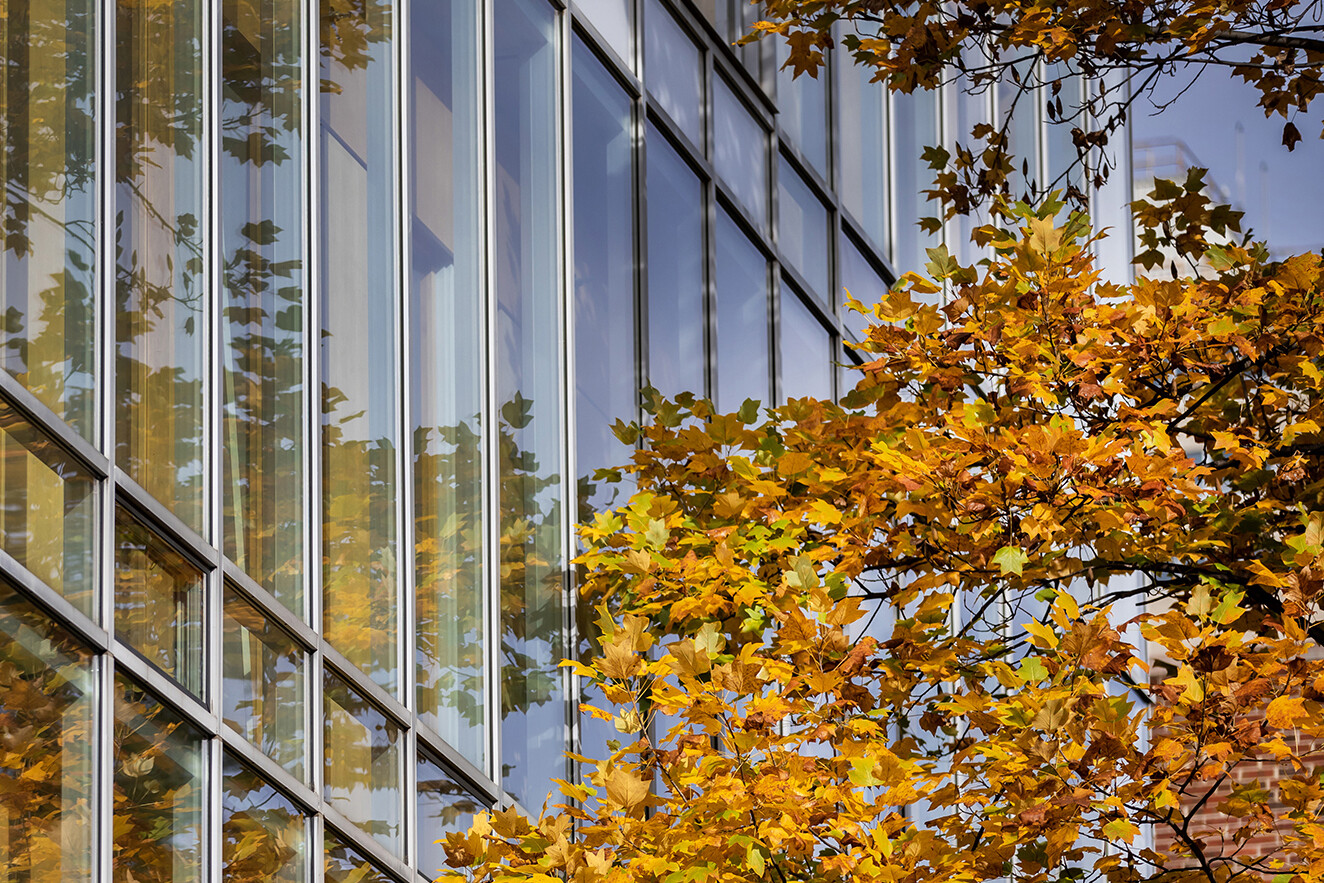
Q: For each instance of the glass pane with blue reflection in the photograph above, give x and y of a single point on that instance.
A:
(802, 110)
(805, 350)
(743, 320)
(673, 71)
(802, 229)
(528, 388)
(860, 281)
(444, 806)
(675, 272)
(740, 152)
(914, 127)
(862, 161)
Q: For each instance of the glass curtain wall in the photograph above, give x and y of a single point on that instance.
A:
(603, 301)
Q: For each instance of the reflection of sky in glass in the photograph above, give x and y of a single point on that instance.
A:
(1223, 129)
(362, 764)
(674, 71)
(262, 690)
(740, 152)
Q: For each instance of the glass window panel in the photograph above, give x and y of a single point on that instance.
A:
(527, 384)
(614, 20)
(743, 369)
(802, 228)
(47, 511)
(447, 328)
(914, 127)
(263, 684)
(48, 166)
(160, 287)
(443, 807)
(806, 350)
(862, 155)
(363, 764)
(605, 385)
(159, 791)
(675, 271)
(344, 865)
(263, 834)
(673, 71)
(965, 112)
(261, 192)
(1022, 105)
(360, 357)
(158, 602)
(740, 151)
(802, 106)
(858, 280)
(48, 758)
(1059, 149)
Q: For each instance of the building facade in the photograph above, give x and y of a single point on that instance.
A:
(316, 317)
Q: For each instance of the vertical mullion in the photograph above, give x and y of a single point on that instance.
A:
(406, 594)
(710, 226)
(104, 799)
(212, 404)
(213, 356)
(490, 428)
(314, 716)
(565, 371)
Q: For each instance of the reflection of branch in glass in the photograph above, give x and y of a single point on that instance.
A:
(46, 774)
(48, 166)
(158, 793)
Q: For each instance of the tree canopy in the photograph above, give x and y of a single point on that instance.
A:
(1027, 604)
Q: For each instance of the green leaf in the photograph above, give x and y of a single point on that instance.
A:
(1011, 559)
(657, 533)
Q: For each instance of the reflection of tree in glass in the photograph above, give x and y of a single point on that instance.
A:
(532, 578)
(262, 837)
(448, 562)
(46, 728)
(158, 795)
(47, 163)
(262, 172)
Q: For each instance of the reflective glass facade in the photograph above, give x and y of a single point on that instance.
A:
(316, 317)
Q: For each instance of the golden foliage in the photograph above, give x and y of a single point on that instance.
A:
(1040, 585)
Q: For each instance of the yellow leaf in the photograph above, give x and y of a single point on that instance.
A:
(1285, 711)
(626, 790)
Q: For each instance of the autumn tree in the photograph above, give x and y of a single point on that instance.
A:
(907, 637)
